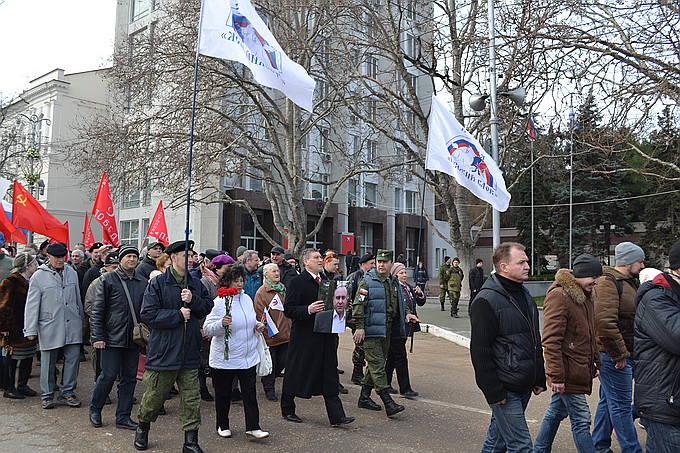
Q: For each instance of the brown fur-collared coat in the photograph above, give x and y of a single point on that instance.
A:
(13, 291)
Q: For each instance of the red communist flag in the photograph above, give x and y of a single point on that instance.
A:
(29, 214)
(102, 211)
(11, 233)
(88, 237)
(158, 228)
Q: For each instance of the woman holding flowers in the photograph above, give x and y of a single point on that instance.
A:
(233, 351)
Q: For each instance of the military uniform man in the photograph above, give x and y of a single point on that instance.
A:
(379, 312)
(454, 279)
(443, 287)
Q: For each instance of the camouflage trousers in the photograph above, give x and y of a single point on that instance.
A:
(158, 385)
(375, 352)
(454, 297)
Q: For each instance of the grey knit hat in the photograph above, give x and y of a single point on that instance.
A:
(587, 266)
(628, 253)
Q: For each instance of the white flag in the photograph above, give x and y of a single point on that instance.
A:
(276, 303)
(234, 31)
(451, 149)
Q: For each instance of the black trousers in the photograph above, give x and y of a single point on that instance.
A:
(397, 359)
(333, 407)
(222, 382)
(25, 367)
(279, 354)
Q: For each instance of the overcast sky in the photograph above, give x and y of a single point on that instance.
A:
(37, 36)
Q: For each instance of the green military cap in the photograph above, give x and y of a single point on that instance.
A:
(384, 255)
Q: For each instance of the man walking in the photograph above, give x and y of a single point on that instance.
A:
(366, 263)
(443, 282)
(54, 314)
(172, 307)
(657, 346)
(116, 304)
(614, 325)
(504, 322)
(454, 279)
(379, 313)
(312, 362)
(476, 280)
(570, 350)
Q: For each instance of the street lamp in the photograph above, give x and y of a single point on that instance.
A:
(31, 163)
(478, 103)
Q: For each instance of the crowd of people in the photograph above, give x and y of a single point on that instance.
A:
(188, 316)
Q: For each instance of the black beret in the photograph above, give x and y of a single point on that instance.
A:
(44, 244)
(366, 258)
(58, 249)
(212, 253)
(178, 246)
(95, 246)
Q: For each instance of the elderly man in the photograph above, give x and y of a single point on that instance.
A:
(504, 321)
(148, 264)
(379, 312)
(115, 311)
(77, 257)
(312, 362)
(614, 325)
(54, 315)
(657, 346)
(570, 350)
(287, 271)
(173, 305)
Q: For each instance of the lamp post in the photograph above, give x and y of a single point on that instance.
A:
(31, 164)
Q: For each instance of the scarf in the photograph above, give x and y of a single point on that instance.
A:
(277, 286)
(178, 278)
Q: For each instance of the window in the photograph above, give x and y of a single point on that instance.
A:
(372, 110)
(315, 241)
(370, 195)
(356, 145)
(398, 200)
(411, 10)
(137, 199)
(371, 151)
(411, 246)
(372, 67)
(145, 226)
(250, 237)
(323, 88)
(140, 8)
(352, 192)
(319, 191)
(324, 142)
(366, 238)
(412, 81)
(410, 45)
(411, 201)
(129, 232)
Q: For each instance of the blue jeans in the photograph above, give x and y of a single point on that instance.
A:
(661, 438)
(508, 430)
(48, 362)
(615, 410)
(114, 361)
(561, 405)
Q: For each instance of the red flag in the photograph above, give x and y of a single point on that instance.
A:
(106, 239)
(88, 237)
(11, 233)
(29, 214)
(102, 211)
(158, 228)
(68, 241)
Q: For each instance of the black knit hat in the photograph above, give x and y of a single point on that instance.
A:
(674, 257)
(126, 250)
(587, 266)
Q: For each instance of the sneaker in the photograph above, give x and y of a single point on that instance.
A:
(70, 401)
(47, 404)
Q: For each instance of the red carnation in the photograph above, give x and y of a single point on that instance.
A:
(224, 292)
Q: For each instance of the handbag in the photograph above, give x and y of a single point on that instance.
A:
(140, 331)
(264, 367)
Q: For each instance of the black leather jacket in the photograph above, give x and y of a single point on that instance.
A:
(110, 317)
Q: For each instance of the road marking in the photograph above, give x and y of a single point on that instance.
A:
(463, 408)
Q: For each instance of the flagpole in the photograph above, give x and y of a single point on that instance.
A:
(420, 234)
(533, 250)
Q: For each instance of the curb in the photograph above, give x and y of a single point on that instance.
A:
(446, 334)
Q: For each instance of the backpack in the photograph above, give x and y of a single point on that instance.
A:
(619, 285)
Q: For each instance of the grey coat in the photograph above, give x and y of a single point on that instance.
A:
(53, 309)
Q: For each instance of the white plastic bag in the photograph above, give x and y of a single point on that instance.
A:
(264, 368)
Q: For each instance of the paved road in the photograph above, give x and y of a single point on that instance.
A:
(449, 416)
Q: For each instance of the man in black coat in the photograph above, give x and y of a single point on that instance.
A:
(112, 320)
(476, 279)
(312, 363)
(172, 307)
(148, 263)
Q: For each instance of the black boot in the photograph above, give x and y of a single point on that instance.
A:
(25, 367)
(365, 401)
(390, 406)
(191, 442)
(357, 374)
(142, 435)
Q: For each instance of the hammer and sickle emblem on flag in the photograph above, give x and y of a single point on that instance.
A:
(21, 198)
